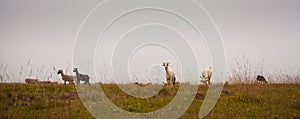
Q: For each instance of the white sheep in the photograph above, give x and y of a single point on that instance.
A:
(142, 84)
(170, 75)
(206, 75)
(69, 78)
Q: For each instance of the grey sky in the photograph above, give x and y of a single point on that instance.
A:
(44, 31)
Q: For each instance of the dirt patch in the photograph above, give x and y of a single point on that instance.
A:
(199, 95)
(64, 96)
(159, 96)
(26, 97)
(295, 104)
(227, 92)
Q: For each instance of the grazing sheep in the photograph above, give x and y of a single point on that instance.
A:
(170, 75)
(206, 75)
(31, 81)
(142, 84)
(69, 78)
(260, 78)
(81, 77)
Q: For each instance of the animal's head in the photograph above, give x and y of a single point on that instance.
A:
(166, 64)
(259, 77)
(208, 68)
(75, 70)
(60, 71)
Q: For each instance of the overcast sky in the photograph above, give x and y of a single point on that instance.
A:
(44, 31)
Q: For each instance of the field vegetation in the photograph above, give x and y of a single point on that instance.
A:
(236, 101)
(242, 97)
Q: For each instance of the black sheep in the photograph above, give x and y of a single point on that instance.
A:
(81, 77)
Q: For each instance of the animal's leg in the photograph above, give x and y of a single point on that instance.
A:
(78, 81)
(168, 81)
(88, 82)
(174, 80)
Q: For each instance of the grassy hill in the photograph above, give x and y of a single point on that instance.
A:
(236, 101)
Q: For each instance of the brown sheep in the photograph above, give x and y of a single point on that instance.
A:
(69, 78)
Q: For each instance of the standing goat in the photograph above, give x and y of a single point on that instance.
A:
(206, 75)
(69, 78)
(170, 75)
(81, 77)
(260, 78)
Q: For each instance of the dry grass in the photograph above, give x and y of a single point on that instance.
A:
(241, 98)
(244, 72)
(28, 71)
(236, 101)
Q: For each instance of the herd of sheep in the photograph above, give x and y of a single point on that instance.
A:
(205, 76)
(65, 77)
